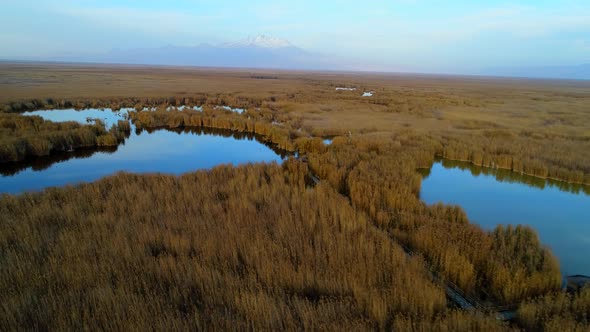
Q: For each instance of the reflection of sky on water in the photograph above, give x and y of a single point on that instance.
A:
(107, 116)
(235, 110)
(161, 151)
(561, 218)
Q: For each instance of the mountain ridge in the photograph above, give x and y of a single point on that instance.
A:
(264, 41)
(262, 51)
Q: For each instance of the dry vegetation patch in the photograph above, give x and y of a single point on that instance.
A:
(142, 252)
(138, 252)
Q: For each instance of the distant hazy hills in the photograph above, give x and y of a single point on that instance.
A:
(269, 52)
(565, 72)
(258, 52)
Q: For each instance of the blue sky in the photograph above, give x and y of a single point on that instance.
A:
(407, 35)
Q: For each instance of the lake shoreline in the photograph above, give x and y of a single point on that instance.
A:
(438, 156)
(490, 199)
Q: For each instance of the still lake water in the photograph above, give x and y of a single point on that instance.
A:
(558, 211)
(108, 116)
(163, 151)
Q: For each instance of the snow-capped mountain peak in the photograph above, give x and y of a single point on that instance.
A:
(263, 41)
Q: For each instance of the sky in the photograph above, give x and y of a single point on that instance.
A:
(397, 35)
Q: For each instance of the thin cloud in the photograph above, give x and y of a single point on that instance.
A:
(153, 22)
(409, 32)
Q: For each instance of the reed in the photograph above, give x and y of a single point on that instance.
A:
(194, 252)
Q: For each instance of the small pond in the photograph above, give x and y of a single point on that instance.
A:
(164, 151)
(109, 117)
(558, 211)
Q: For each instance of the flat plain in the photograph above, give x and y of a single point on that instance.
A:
(138, 251)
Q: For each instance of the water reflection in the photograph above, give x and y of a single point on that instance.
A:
(156, 150)
(504, 175)
(42, 163)
(229, 108)
(558, 211)
(108, 116)
(199, 131)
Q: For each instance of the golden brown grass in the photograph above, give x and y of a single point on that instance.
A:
(557, 312)
(31, 136)
(531, 126)
(194, 252)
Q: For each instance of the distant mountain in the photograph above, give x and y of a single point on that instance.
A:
(263, 41)
(562, 72)
(257, 52)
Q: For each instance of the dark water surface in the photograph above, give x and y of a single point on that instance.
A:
(164, 151)
(558, 211)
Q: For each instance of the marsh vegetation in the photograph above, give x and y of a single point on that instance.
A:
(168, 151)
(144, 251)
(556, 210)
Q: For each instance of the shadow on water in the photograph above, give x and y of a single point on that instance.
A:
(558, 211)
(38, 164)
(199, 131)
(425, 172)
(42, 163)
(508, 176)
(155, 150)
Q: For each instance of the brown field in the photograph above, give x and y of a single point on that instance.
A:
(135, 251)
(546, 124)
(464, 103)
